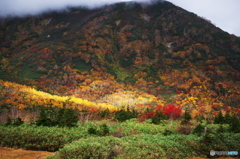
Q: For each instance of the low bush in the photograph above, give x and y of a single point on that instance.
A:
(92, 131)
(219, 142)
(93, 147)
(151, 146)
(14, 122)
(101, 130)
(130, 139)
(32, 137)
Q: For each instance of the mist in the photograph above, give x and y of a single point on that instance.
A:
(221, 12)
(21, 8)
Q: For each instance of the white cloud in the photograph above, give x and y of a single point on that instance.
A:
(224, 13)
(33, 7)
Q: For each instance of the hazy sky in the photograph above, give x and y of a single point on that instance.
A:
(224, 13)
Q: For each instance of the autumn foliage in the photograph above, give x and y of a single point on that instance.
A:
(94, 61)
(171, 111)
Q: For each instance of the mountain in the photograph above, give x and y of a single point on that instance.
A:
(124, 54)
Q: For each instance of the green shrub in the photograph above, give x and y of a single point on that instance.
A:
(123, 115)
(92, 131)
(45, 122)
(33, 137)
(18, 121)
(219, 142)
(234, 126)
(198, 130)
(138, 140)
(156, 120)
(14, 122)
(222, 128)
(131, 147)
(102, 130)
(167, 132)
(93, 147)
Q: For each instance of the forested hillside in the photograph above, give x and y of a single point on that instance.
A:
(122, 55)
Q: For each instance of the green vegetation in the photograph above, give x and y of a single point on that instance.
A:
(233, 122)
(121, 73)
(33, 137)
(123, 115)
(63, 117)
(101, 130)
(102, 139)
(82, 66)
(14, 122)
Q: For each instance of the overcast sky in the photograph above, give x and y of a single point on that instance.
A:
(224, 13)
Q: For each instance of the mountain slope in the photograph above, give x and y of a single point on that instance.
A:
(125, 52)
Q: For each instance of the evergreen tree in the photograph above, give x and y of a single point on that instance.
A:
(219, 119)
(187, 116)
(66, 117)
(227, 118)
(235, 125)
(123, 115)
(198, 130)
(43, 120)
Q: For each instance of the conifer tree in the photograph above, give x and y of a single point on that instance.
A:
(235, 125)
(227, 118)
(219, 119)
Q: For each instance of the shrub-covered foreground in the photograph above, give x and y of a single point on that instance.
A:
(129, 139)
(146, 146)
(33, 137)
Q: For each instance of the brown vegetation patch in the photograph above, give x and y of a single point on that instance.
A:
(215, 158)
(9, 153)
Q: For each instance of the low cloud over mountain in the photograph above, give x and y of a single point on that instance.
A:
(28, 7)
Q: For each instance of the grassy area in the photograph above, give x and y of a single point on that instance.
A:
(111, 139)
(132, 139)
(31, 137)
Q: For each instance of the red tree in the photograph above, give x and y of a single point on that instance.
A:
(172, 111)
